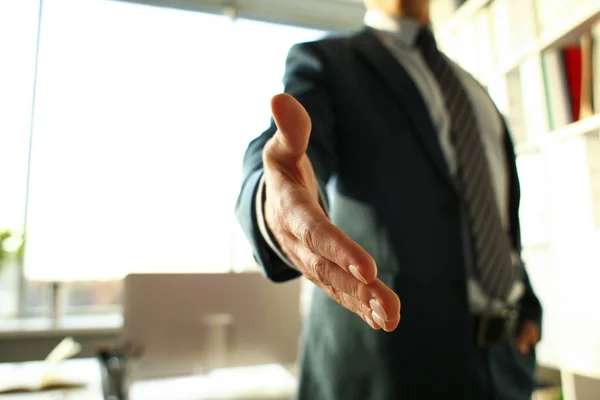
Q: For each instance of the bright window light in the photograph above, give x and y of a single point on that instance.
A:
(142, 117)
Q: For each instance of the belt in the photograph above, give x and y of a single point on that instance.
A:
(493, 327)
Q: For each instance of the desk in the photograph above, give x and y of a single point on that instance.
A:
(268, 382)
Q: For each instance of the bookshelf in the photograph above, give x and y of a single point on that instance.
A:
(522, 51)
(564, 31)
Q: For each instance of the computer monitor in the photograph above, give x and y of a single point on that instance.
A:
(191, 323)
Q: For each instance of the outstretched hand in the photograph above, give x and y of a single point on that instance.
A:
(322, 252)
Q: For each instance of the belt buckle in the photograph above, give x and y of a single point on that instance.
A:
(510, 317)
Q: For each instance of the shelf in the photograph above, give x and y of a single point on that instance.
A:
(581, 128)
(563, 31)
(566, 30)
(465, 12)
(576, 129)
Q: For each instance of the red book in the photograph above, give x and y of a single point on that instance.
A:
(572, 58)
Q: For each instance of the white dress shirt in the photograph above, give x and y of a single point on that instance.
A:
(398, 35)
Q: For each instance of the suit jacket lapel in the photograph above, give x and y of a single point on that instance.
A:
(404, 89)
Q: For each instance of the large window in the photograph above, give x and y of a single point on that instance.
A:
(18, 38)
(142, 115)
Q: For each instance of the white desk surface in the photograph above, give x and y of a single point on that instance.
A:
(252, 383)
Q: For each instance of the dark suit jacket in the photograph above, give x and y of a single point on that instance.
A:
(373, 142)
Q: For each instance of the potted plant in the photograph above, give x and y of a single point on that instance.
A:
(12, 244)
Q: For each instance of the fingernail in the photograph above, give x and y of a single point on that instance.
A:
(354, 271)
(370, 322)
(377, 308)
(378, 320)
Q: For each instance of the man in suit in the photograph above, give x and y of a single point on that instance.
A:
(389, 171)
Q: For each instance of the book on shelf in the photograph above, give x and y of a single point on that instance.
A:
(570, 74)
(586, 104)
(572, 62)
(556, 90)
(595, 78)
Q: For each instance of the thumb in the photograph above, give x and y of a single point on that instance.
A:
(293, 126)
(527, 339)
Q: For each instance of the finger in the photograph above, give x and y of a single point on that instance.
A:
(309, 224)
(391, 324)
(293, 128)
(363, 311)
(370, 322)
(383, 303)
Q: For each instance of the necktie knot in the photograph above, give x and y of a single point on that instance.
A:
(425, 41)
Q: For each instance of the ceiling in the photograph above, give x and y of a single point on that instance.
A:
(321, 14)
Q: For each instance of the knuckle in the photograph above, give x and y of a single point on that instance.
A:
(354, 291)
(333, 250)
(352, 304)
(309, 234)
(336, 295)
(306, 236)
(320, 270)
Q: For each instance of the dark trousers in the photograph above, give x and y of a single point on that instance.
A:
(501, 373)
(481, 387)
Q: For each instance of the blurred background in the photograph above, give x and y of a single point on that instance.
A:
(105, 170)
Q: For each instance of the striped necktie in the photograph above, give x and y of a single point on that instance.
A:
(493, 267)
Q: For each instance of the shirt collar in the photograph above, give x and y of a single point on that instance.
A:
(403, 29)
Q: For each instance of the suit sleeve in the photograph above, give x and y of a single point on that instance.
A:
(305, 79)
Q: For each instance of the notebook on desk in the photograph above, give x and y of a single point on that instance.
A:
(192, 323)
(71, 377)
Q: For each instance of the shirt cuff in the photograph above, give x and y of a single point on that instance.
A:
(259, 204)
